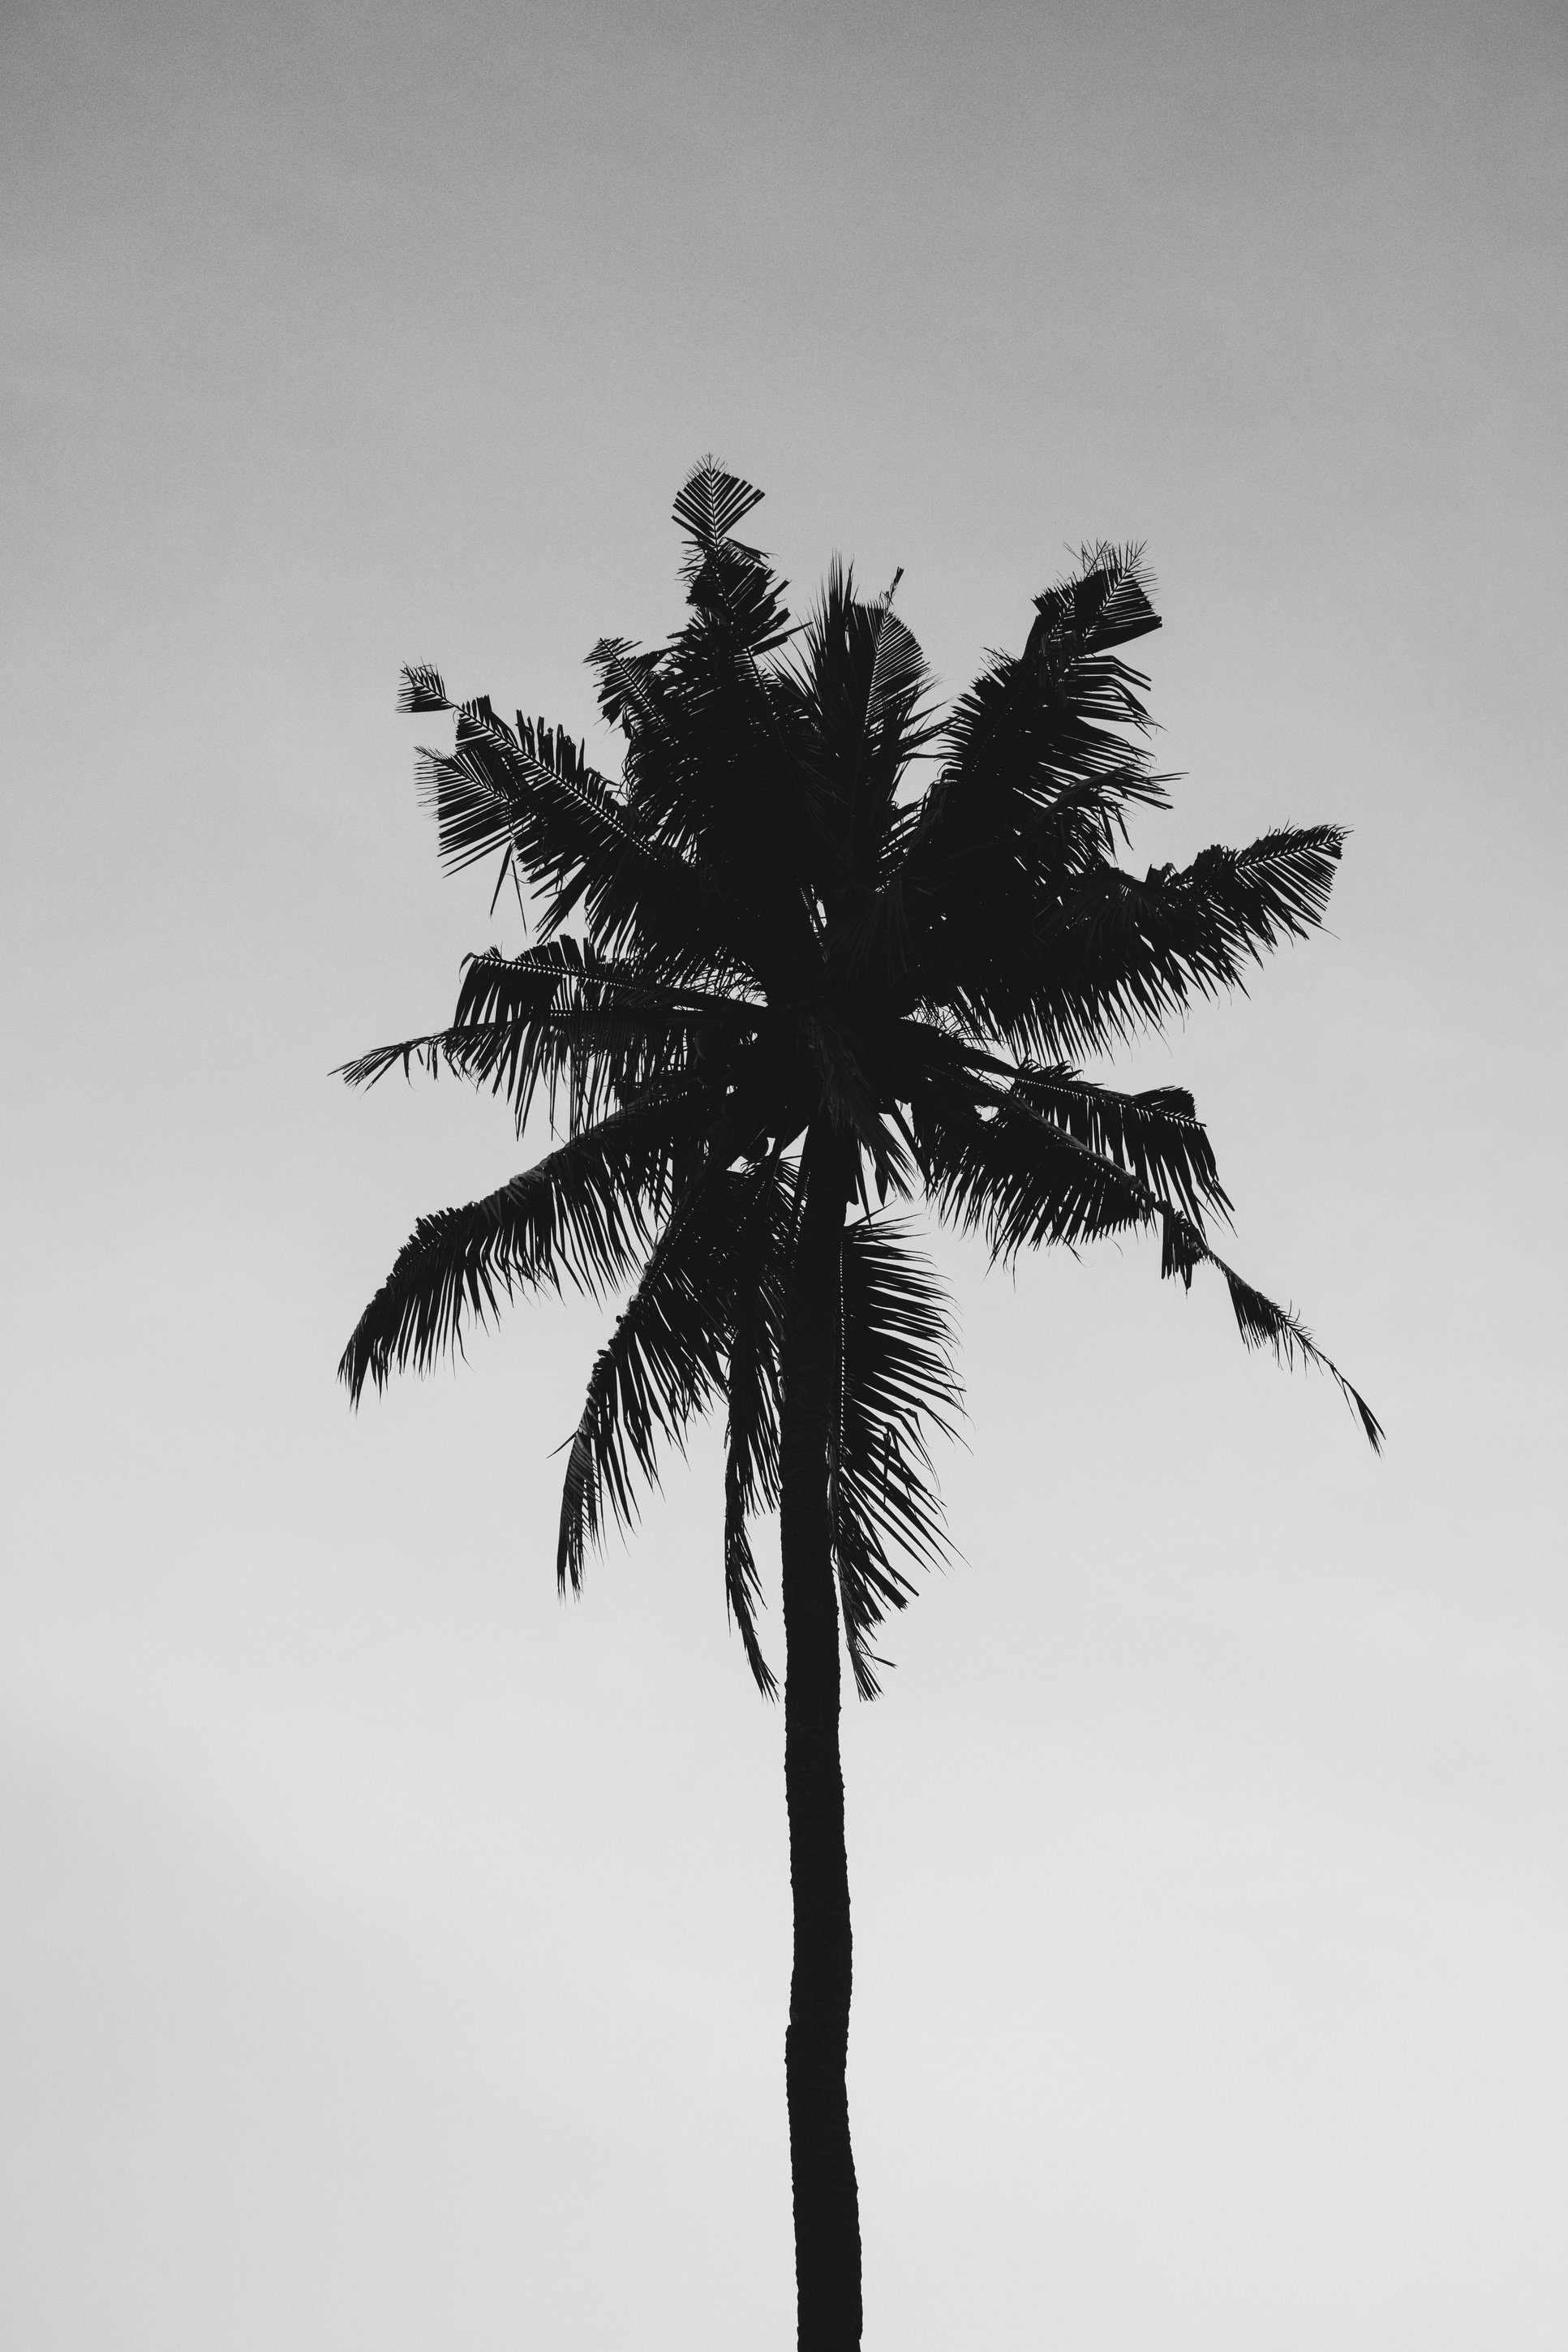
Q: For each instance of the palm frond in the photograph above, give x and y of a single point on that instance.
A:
(711, 501)
(1222, 911)
(1061, 708)
(897, 1382)
(573, 837)
(996, 1165)
(531, 790)
(584, 1211)
(718, 781)
(1156, 1135)
(599, 1059)
(900, 674)
(1104, 956)
(999, 1166)
(760, 1282)
(1105, 602)
(665, 1361)
(420, 688)
(727, 583)
(1041, 765)
(498, 986)
(1123, 955)
(1260, 1322)
(560, 1015)
(628, 684)
(862, 680)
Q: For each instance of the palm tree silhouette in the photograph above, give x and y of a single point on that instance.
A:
(797, 979)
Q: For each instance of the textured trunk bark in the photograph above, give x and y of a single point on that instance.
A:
(827, 2202)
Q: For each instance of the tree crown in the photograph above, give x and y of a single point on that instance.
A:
(818, 930)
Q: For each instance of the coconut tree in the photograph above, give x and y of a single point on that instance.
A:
(821, 948)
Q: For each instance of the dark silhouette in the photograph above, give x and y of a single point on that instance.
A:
(795, 980)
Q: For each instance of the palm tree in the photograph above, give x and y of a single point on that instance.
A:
(795, 977)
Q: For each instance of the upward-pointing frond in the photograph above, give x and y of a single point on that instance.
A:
(859, 679)
(1104, 604)
(531, 797)
(1058, 710)
(495, 790)
(731, 586)
(899, 673)
(1040, 761)
(711, 501)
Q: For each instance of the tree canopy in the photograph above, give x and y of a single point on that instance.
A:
(813, 904)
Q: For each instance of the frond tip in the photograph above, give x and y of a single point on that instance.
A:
(711, 501)
(421, 689)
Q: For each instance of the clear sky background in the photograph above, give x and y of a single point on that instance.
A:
(392, 1957)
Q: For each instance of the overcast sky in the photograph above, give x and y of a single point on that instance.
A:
(394, 1956)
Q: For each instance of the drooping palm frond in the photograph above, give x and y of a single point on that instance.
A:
(1158, 1136)
(760, 1276)
(584, 1211)
(896, 1383)
(598, 1059)
(1009, 1171)
(666, 1359)
(996, 1165)
(1260, 1322)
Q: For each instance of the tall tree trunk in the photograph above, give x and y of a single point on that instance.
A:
(816, 2047)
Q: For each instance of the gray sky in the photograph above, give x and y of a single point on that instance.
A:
(394, 1956)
